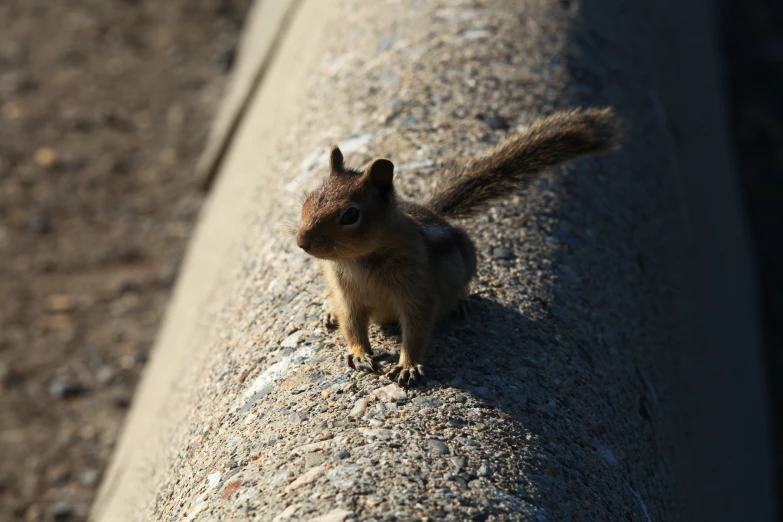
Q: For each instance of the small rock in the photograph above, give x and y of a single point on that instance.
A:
(16, 82)
(39, 222)
(283, 476)
(58, 474)
(314, 459)
(381, 434)
(76, 120)
(45, 157)
(227, 57)
(359, 408)
(89, 478)
(437, 447)
(458, 463)
(34, 512)
(427, 402)
(296, 418)
(231, 488)
(335, 515)
(496, 122)
(313, 447)
(306, 478)
(391, 393)
(286, 513)
(342, 455)
(65, 388)
(292, 340)
(104, 375)
(484, 470)
(62, 511)
(386, 42)
(409, 122)
(475, 34)
(502, 253)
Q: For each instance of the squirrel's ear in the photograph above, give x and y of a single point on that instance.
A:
(336, 160)
(380, 173)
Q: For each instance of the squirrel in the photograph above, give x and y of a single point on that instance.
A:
(392, 261)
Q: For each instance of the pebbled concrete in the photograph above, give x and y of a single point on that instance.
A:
(562, 396)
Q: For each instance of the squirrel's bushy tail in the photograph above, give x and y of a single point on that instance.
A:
(558, 138)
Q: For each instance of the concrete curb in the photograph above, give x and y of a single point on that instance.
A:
(564, 396)
(267, 25)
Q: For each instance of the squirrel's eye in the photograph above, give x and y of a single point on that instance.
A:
(350, 216)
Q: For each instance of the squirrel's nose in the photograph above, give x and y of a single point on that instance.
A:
(303, 243)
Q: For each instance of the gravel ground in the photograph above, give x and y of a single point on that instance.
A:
(104, 106)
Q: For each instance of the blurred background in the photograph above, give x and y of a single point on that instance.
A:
(104, 108)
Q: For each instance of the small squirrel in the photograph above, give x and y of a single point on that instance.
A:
(392, 261)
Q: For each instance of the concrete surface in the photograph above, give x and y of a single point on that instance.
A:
(577, 390)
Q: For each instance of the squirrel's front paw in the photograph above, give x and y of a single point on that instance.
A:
(362, 362)
(406, 375)
(330, 321)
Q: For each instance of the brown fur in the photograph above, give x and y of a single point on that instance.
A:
(517, 161)
(402, 262)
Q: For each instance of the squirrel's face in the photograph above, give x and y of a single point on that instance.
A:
(344, 219)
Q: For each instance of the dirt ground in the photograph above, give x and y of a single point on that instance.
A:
(104, 107)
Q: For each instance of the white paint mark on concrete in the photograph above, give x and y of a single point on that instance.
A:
(355, 143)
(212, 480)
(606, 452)
(641, 503)
(196, 511)
(415, 165)
(274, 372)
